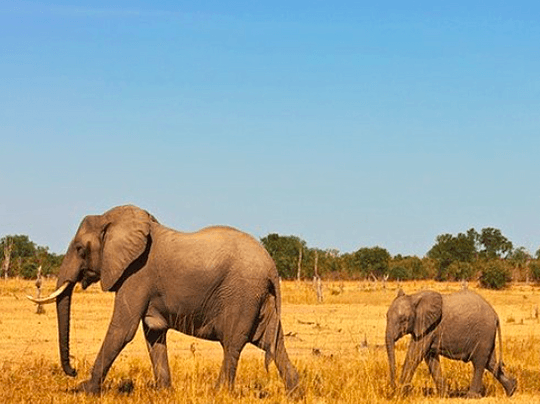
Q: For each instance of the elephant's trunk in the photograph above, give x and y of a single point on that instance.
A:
(63, 309)
(390, 345)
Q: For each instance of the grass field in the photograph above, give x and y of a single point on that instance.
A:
(337, 347)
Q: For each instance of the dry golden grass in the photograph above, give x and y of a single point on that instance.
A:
(337, 347)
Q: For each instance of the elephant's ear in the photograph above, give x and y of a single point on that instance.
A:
(428, 311)
(124, 240)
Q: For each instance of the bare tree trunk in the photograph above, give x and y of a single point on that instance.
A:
(319, 290)
(373, 279)
(317, 279)
(39, 281)
(315, 268)
(8, 246)
(385, 279)
(299, 273)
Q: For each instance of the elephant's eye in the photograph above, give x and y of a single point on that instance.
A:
(81, 251)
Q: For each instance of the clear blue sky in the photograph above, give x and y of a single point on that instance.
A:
(346, 124)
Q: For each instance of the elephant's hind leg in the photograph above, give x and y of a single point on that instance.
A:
(269, 337)
(509, 383)
(156, 341)
(231, 355)
(475, 391)
(434, 366)
(287, 371)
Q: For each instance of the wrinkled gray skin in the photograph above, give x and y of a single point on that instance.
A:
(458, 326)
(217, 284)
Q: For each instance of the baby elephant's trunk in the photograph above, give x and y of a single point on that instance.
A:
(390, 345)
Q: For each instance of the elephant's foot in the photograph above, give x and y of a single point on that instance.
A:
(161, 385)
(405, 390)
(510, 387)
(473, 394)
(88, 387)
(442, 390)
(221, 384)
(391, 390)
(296, 393)
(291, 380)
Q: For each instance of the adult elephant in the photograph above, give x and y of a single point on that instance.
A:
(458, 326)
(217, 284)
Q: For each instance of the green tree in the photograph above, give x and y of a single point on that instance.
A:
(22, 246)
(328, 261)
(495, 245)
(23, 253)
(459, 271)
(285, 251)
(495, 274)
(407, 268)
(534, 269)
(373, 260)
(519, 256)
(26, 257)
(348, 265)
(449, 249)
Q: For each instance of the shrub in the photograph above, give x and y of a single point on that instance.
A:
(399, 273)
(28, 270)
(495, 275)
(534, 268)
(460, 271)
(407, 268)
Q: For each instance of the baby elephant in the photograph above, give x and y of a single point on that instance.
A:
(459, 326)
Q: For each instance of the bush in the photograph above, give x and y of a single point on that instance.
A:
(28, 270)
(534, 268)
(460, 271)
(399, 273)
(407, 268)
(495, 275)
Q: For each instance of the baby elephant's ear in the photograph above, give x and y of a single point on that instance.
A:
(428, 311)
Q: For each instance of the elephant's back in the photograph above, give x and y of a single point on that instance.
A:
(242, 246)
(214, 248)
(225, 237)
(469, 307)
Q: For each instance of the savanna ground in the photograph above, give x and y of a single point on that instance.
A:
(336, 345)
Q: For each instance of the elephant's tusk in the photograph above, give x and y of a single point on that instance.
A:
(52, 297)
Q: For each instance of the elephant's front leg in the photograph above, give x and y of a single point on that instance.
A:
(415, 354)
(122, 329)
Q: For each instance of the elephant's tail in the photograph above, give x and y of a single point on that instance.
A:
(500, 363)
(276, 294)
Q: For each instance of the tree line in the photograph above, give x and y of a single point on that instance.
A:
(487, 256)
